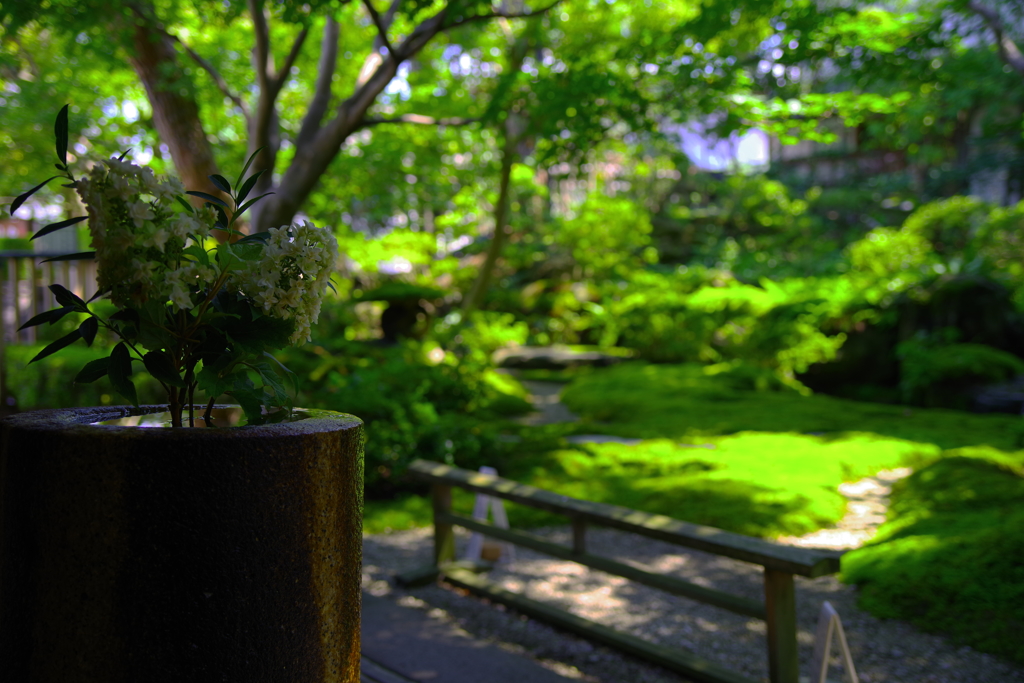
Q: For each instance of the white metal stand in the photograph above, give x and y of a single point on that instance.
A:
(475, 548)
(829, 624)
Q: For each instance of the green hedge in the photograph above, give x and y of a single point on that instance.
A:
(950, 559)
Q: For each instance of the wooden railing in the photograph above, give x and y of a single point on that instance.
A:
(780, 564)
(24, 282)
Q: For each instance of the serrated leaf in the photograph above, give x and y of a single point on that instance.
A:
(248, 163)
(119, 371)
(249, 203)
(80, 256)
(291, 376)
(66, 297)
(47, 317)
(22, 198)
(66, 340)
(210, 383)
(88, 329)
(161, 366)
(208, 197)
(221, 183)
(60, 131)
(250, 398)
(54, 227)
(247, 186)
(93, 370)
(247, 251)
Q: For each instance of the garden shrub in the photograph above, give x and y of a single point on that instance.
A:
(705, 316)
(949, 558)
(936, 375)
(949, 225)
(51, 384)
(413, 407)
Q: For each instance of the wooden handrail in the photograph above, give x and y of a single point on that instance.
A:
(799, 561)
(780, 564)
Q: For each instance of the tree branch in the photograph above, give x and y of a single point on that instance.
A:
(382, 30)
(1008, 50)
(289, 61)
(206, 66)
(420, 120)
(261, 52)
(324, 76)
(500, 15)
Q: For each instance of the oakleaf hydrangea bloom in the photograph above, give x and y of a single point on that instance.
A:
(290, 279)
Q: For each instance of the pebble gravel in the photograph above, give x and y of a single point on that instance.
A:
(884, 651)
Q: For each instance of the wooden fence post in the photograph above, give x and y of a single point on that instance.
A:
(579, 535)
(780, 609)
(444, 534)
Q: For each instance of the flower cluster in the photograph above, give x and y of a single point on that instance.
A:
(290, 279)
(139, 233)
(199, 314)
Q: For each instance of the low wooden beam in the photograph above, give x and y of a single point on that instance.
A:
(668, 584)
(680, 661)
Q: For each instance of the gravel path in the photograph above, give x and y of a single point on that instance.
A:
(884, 651)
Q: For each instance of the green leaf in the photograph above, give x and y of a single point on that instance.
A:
(88, 329)
(250, 182)
(200, 254)
(222, 219)
(261, 237)
(22, 198)
(54, 227)
(183, 202)
(80, 256)
(210, 383)
(249, 203)
(221, 182)
(272, 380)
(60, 131)
(247, 165)
(66, 297)
(66, 340)
(293, 379)
(127, 314)
(93, 370)
(47, 317)
(208, 197)
(119, 370)
(161, 365)
(250, 398)
(247, 251)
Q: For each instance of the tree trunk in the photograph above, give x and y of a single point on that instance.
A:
(476, 294)
(175, 111)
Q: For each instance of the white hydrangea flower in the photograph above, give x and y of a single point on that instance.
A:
(289, 281)
(139, 231)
